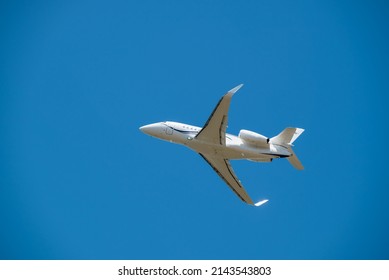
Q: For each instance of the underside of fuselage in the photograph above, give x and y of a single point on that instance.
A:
(233, 149)
(236, 151)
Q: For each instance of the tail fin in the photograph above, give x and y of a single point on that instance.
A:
(286, 138)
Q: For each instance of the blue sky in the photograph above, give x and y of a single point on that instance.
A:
(78, 180)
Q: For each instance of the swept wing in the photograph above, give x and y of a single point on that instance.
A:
(214, 131)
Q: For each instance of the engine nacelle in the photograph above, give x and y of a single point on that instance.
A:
(253, 138)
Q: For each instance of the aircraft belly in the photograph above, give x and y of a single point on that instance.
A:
(242, 152)
(234, 151)
(202, 147)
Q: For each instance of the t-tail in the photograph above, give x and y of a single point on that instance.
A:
(286, 139)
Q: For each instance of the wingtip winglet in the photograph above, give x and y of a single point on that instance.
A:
(235, 89)
(259, 203)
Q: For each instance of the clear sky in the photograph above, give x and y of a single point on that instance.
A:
(78, 180)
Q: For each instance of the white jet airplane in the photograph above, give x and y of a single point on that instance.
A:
(218, 147)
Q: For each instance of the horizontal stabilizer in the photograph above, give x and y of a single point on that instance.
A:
(259, 203)
(293, 160)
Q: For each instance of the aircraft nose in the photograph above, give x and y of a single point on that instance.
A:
(149, 129)
(145, 128)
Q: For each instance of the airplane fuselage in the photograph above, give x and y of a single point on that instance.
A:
(235, 147)
(217, 147)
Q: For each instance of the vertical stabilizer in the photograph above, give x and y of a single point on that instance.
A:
(286, 139)
(287, 136)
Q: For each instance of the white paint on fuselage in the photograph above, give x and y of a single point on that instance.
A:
(235, 147)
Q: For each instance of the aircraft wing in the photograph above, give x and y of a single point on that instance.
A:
(214, 130)
(223, 168)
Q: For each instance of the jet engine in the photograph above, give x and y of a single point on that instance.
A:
(253, 138)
